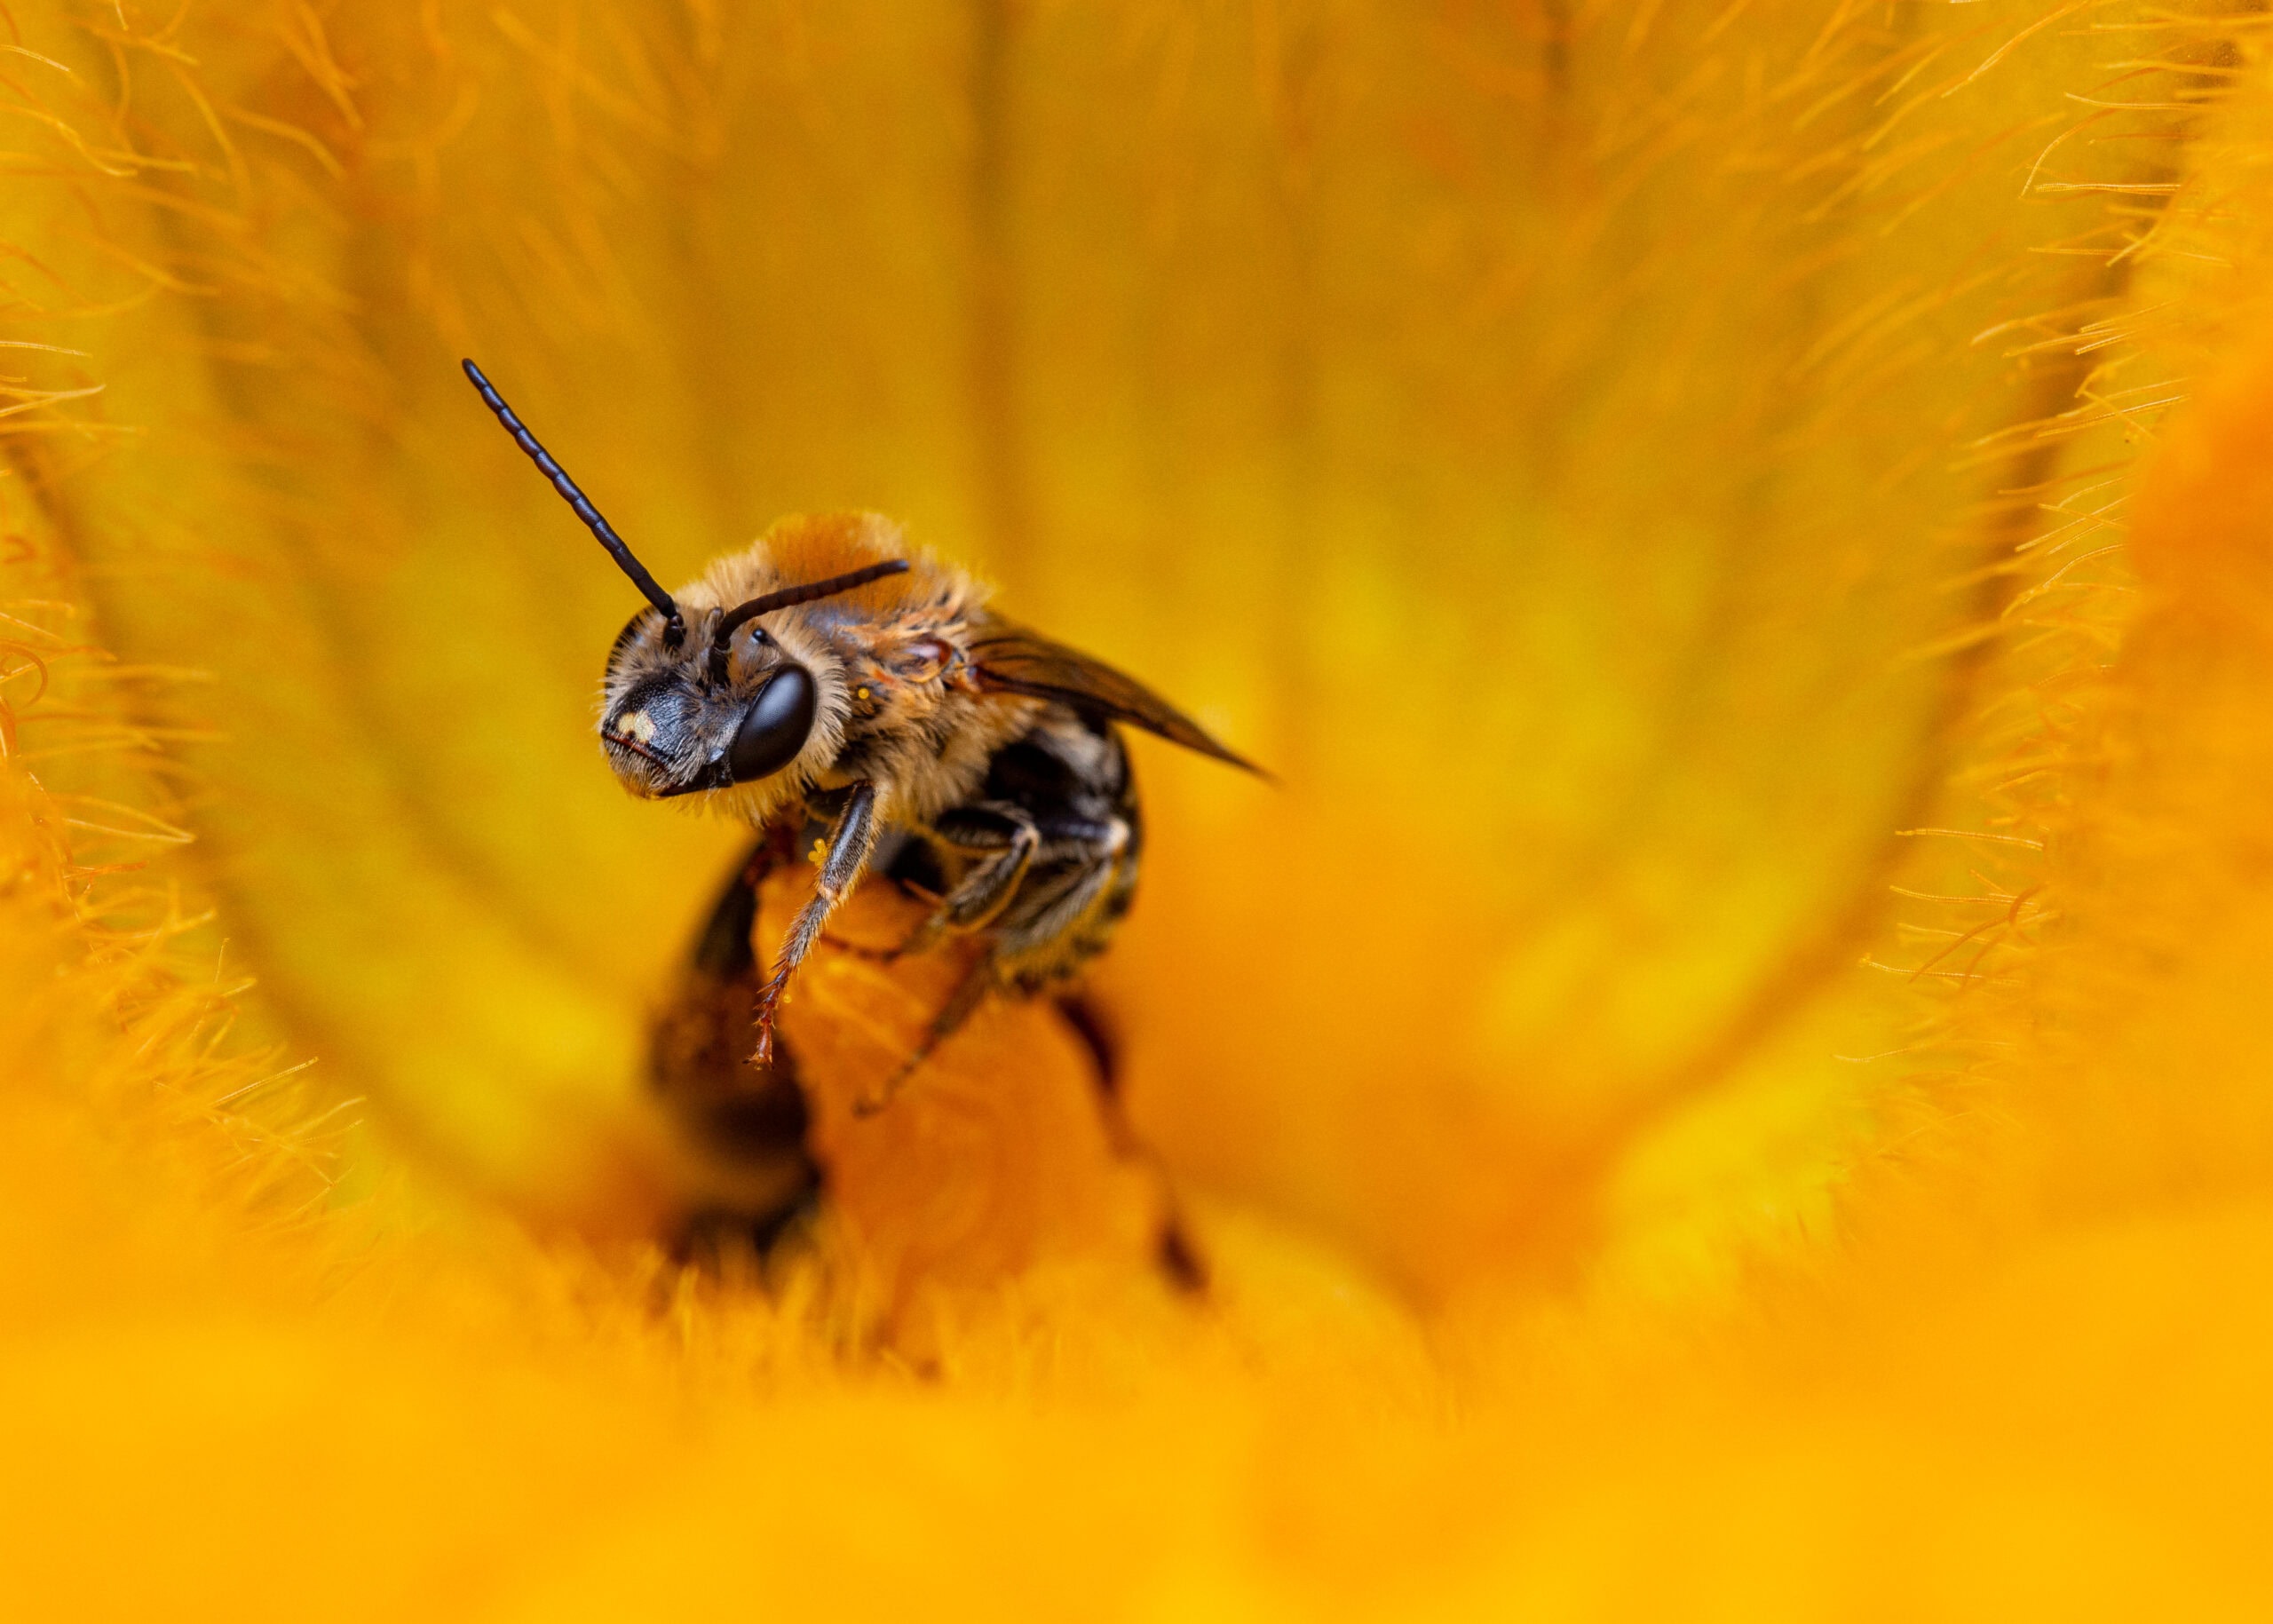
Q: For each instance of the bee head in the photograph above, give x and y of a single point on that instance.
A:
(682, 713)
(731, 706)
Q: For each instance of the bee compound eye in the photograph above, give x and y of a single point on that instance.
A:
(774, 728)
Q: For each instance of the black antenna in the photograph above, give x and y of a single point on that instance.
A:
(788, 597)
(674, 624)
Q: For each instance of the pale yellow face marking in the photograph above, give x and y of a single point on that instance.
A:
(636, 724)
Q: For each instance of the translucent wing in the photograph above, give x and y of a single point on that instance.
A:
(1012, 660)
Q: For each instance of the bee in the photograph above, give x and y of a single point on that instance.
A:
(830, 680)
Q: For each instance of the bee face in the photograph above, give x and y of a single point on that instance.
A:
(687, 715)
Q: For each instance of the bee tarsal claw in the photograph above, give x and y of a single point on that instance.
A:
(763, 1055)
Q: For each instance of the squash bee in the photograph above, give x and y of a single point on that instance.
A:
(830, 676)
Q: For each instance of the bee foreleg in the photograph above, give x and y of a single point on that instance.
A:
(1009, 839)
(851, 840)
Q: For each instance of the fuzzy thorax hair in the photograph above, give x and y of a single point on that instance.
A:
(895, 700)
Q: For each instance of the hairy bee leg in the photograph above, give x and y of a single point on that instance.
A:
(1097, 852)
(851, 840)
(1004, 831)
(1032, 939)
(962, 1005)
(1044, 926)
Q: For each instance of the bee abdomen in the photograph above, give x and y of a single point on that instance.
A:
(745, 1126)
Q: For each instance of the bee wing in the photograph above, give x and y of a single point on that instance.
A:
(1012, 660)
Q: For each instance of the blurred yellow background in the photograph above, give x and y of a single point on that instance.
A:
(1727, 1078)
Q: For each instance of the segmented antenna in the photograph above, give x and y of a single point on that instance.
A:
(674, 624)
(789, 597)
(785, 598)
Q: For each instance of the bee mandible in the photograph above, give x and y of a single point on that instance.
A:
(829, 675)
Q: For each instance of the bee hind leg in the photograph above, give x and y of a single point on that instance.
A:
(1179, 1258)
(1055, 924)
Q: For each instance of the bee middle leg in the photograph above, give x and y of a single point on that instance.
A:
(1006, 839)
(962, 1003)
(1031, 898)
(1040, 935)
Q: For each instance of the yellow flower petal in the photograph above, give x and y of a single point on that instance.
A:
(1726, 1079)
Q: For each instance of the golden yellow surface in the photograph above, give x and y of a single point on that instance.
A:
(1728, 1079)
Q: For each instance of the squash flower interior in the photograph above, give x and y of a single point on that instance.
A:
(1741, 529)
